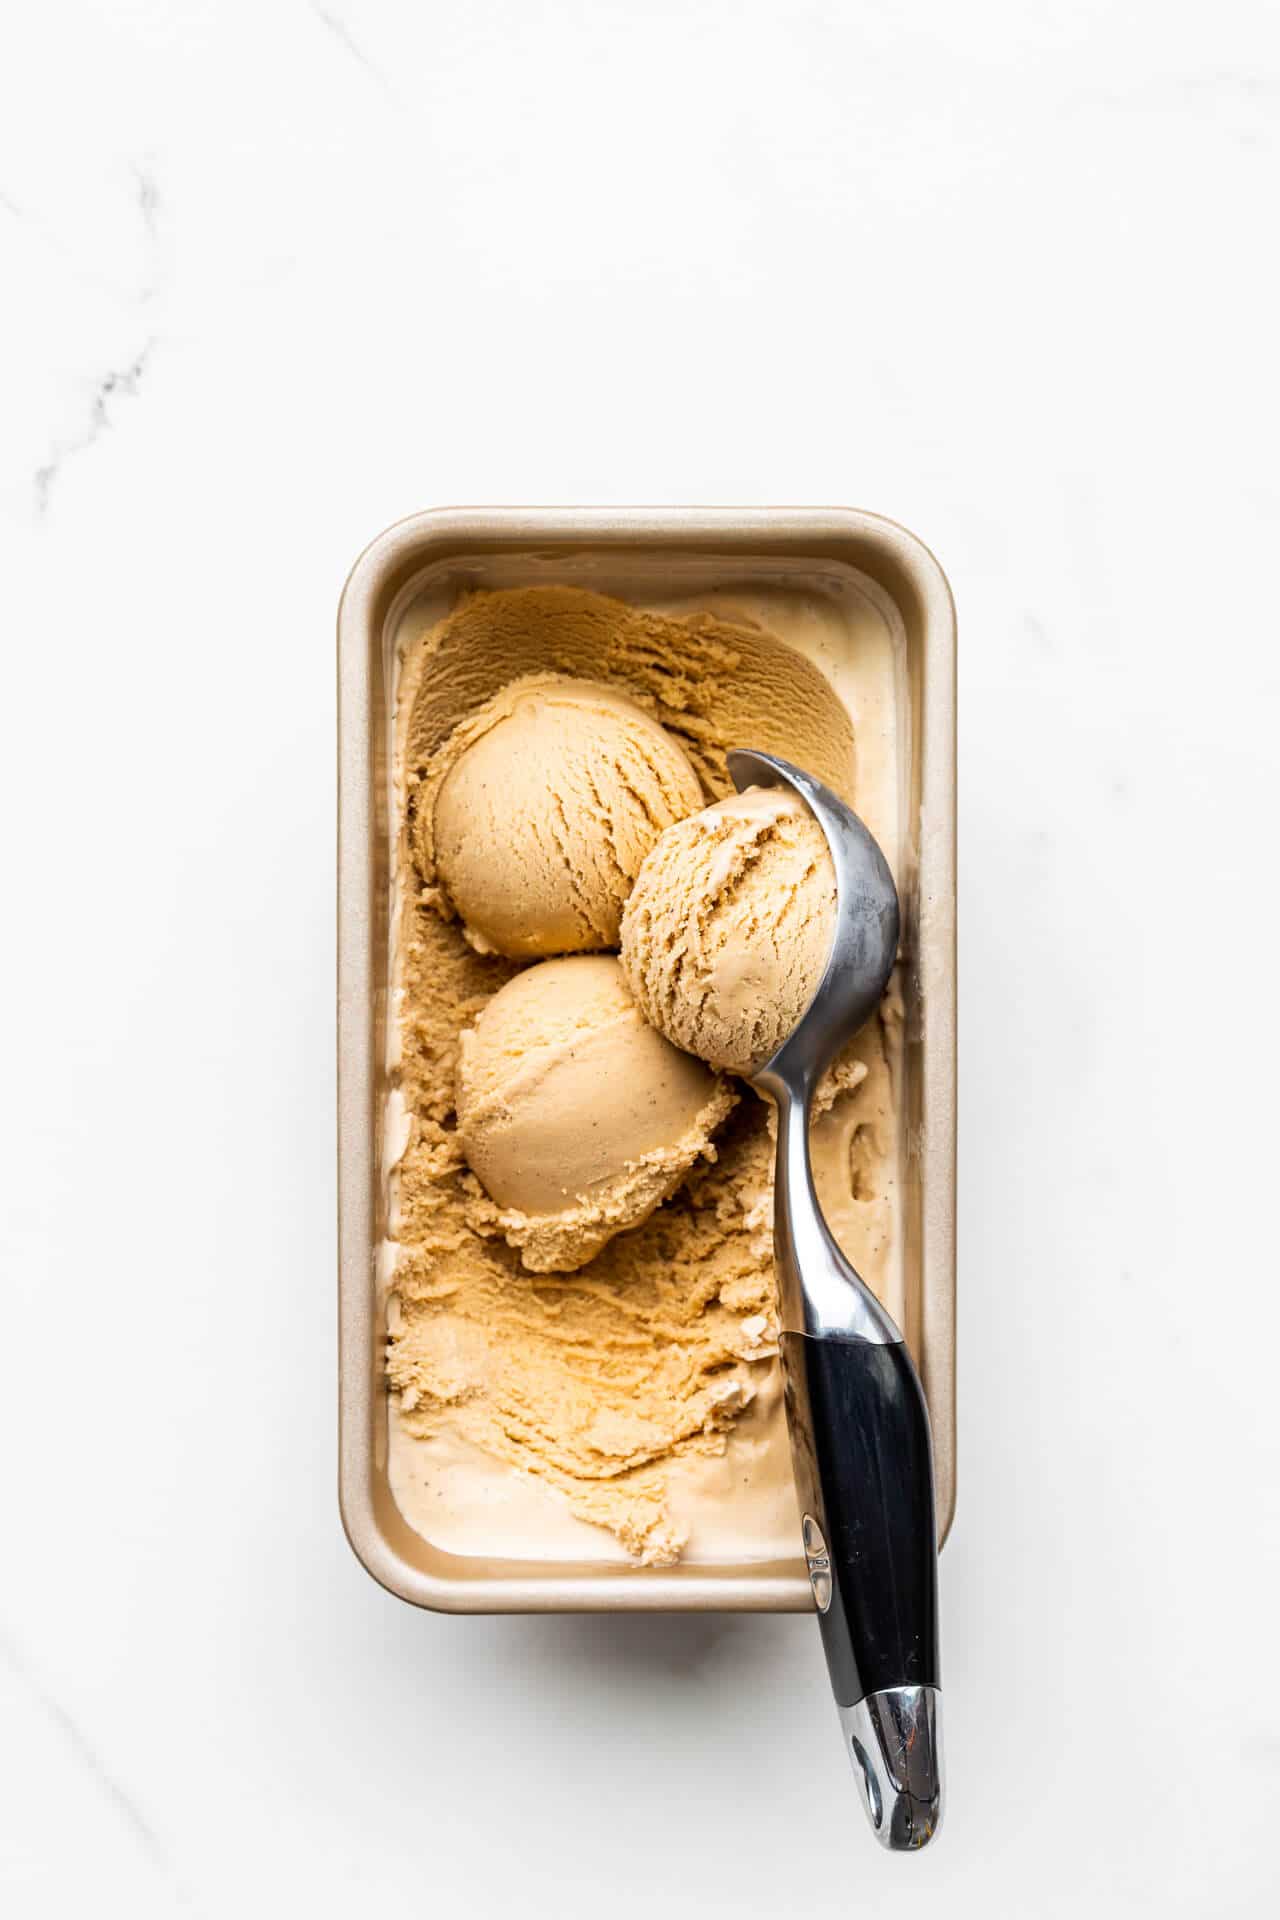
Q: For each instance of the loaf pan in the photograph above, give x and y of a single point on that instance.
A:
(683, 550)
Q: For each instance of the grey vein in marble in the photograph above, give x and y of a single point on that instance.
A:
(120, 382)
(342, 34)
(116, 384)
(92, 1762)
(148, 201)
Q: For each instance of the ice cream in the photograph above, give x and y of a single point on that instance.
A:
(727, 932)
(631, 1408)
(593, 1388)
(538, 813)
(576, 1115)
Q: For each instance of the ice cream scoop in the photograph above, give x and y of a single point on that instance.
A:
(575, 1115)
(860, 1440)
(539, 810)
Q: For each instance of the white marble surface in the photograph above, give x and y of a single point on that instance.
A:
(277, 274)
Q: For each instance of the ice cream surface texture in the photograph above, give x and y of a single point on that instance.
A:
(727, 932)
(538, 814)
(575, 1113)
(631, 1408)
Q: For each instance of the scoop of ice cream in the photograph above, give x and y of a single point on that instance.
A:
(576, 1116)
(540, 810)
(727, 931)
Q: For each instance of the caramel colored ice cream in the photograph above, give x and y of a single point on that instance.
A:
(727, 932)
(632, 1406)
(576, 1115)
(541, 808)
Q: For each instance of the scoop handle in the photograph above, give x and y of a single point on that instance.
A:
(863, 1465)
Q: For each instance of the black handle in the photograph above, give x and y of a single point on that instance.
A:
(864, 1474)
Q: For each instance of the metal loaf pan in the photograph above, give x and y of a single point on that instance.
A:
(675, 549)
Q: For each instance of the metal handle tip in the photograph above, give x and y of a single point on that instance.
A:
(895, 1744)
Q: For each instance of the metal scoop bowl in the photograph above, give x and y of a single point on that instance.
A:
(860, 1441)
